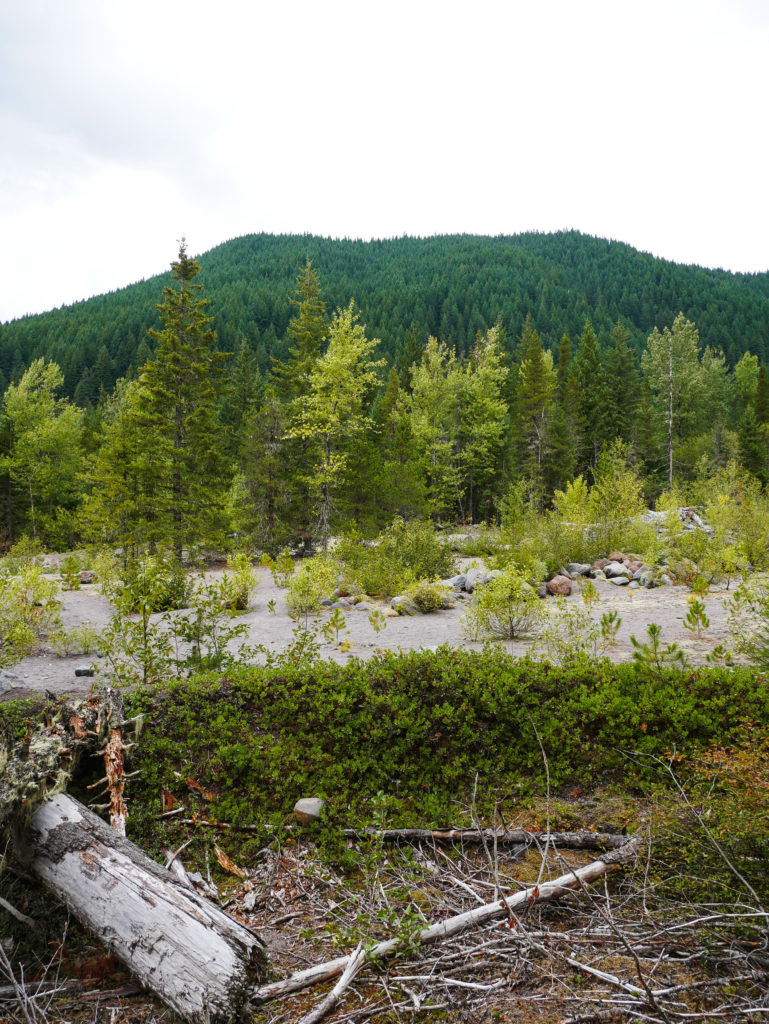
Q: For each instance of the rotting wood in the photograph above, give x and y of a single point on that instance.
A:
(504, 907)
(198, 960)
(43, 763)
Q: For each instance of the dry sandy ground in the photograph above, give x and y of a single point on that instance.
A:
(665, 606)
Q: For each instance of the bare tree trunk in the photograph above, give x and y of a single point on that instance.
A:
(196, 958)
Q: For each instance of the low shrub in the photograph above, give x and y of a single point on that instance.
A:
(505, 608)
(29, 611)
(429, 596)
(404, 553)
(157, 583)
(420, 726)
(315, 579)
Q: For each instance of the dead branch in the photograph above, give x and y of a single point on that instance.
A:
(460, 922)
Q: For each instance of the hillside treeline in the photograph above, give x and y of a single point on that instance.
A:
(198, 446)
(407, 289)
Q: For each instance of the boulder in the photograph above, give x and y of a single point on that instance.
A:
(616, 556)
(614, 568)
(560, 585)
(308, 809)
(579, 569)
(472, 578)
(403, 605)
(599, 574)
(364, 606)
(455, 582)
(87, 576)
(619, 581)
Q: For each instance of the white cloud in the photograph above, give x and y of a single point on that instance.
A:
(125, 126)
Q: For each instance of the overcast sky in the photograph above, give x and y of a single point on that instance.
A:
(125, 126)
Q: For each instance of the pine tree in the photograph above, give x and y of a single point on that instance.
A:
(592, 415)
(623, 382)
(181, 385)
(752, 443)
(534, 405)
(762, 396)
(308, 330)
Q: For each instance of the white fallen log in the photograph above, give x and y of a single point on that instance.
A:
(504, 907)
(198, 960)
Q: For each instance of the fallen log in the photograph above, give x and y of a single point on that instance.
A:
(504, 907)
(200, 962)
(502, 837)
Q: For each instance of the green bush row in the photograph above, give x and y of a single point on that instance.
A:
(419, 727)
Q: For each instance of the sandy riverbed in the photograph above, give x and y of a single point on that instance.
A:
(666, 606)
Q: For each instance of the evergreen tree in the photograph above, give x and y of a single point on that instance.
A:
(623, 383)
(762, 395)
(752, 445)
(181, 385)
(534, 405)
(591, 399)
(307, 330)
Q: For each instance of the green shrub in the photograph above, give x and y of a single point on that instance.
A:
(429, 596)
(29, 611)
(315, 579)
(404, 553)
(157, 583)
(505, 608)
(23, 553)
(419, 726)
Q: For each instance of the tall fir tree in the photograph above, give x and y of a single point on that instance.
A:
(180, 386)
(592, 416)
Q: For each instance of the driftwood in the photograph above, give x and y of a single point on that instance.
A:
(199, 961)
(504, 907)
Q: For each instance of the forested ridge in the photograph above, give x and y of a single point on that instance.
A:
(450, 287)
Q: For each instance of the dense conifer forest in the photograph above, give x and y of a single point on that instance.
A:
(284, 388)
(406, 289)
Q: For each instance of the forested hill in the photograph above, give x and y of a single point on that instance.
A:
(407, 289)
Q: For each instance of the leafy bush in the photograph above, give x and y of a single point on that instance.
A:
(404, 553)
(505, 608)
(238, 583)
(29, 611)
(157, 583)
(23, 553)
(429, 597)
(315, 579)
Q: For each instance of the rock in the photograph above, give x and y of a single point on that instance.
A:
(579, 569)
(633, 585)
(599, 574)
(456, 540)
(599, 563)
(8, 681)
(560, 585)
(456, 582)
(87, 576)
(326, 602)
(492, 574)
(619, 581)
(664, 580)
(403, 605)
(308, 809)
(341, 603)
(364, 606)
(472, 578)
(542, 590)
(249, 902)
(85, 670)
(616, 556)
(346, 590)
(614, 568)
